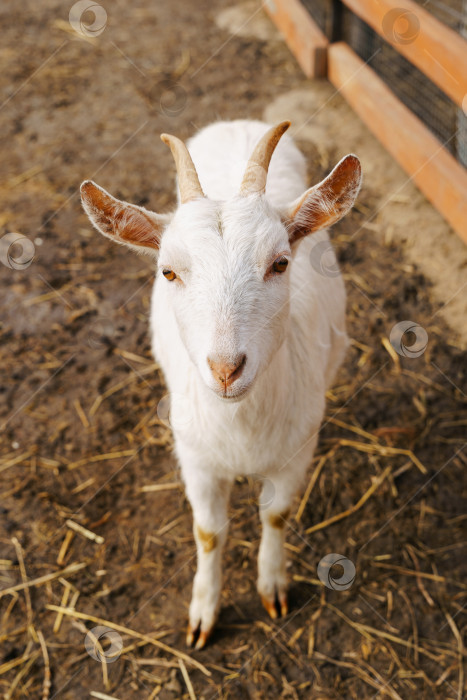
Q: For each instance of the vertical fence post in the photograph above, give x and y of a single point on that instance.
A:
(336, 21)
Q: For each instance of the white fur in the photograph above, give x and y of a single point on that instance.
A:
(292, 330)
(225, 304)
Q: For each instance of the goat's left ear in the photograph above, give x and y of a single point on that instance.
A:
(123, 222)
(327, 202)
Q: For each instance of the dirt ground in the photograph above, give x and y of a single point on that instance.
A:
(85, 439)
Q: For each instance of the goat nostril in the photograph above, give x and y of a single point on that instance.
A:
(240, 364)
(224, 371)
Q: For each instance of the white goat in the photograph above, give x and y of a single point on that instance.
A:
(244, 326)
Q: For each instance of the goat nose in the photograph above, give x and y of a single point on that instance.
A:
(225, 371)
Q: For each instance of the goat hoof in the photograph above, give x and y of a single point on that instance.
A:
(196, 638)
(269, 604)
(276, 606)
(283, 604)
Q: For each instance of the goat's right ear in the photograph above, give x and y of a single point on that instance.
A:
(123, 222)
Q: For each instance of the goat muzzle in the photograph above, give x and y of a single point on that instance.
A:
(225, 372)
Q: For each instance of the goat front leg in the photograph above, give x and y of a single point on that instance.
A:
(208, 496)
(274, 512)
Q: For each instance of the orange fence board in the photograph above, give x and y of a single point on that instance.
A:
(434, 48)
(303, 36)
(437, 174)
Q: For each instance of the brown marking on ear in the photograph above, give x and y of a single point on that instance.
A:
(325, 203)
(207, 539)
(121, 221)
(278, 520)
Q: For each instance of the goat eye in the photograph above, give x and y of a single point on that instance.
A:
(280, 265)
(169, 275)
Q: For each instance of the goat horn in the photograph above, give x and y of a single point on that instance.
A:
(188, 180)
(254, 179)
